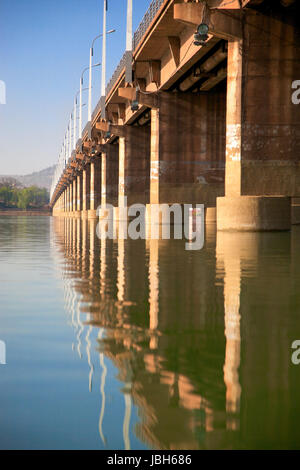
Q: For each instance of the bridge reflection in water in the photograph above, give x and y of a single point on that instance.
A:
(201, 340)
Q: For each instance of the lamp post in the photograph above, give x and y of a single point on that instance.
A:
(74, 123)
(90, 72)
(70, 137)
(103, 78)
(128, 71)
(80, 115)
(80, 95)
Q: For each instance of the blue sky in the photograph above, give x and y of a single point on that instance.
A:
(44, 45)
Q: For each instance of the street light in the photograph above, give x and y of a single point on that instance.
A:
(103, 78)
(80, 98)
(90, 72)
(75, 116)
(128, 70)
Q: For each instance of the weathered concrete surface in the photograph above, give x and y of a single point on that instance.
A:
(112, 174)
(254, 213)
(95, 187)
(271, 122)
(188, 148)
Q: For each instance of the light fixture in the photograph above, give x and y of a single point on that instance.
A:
(201, 35)
(203, 29)
(134, 105)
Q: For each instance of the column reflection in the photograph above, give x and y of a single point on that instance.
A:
(233, 251)
(152, 311)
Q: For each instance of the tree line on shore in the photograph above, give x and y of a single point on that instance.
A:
(12, 197)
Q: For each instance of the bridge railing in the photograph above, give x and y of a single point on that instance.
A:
(138, 36)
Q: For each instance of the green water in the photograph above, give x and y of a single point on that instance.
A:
(142, 345)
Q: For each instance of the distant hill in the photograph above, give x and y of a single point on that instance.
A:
(41, 179)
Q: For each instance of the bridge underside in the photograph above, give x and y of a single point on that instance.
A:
(213, 125)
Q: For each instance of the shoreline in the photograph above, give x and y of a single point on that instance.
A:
(25, 213)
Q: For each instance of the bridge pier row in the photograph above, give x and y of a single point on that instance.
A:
(134, 169)
(262, 141)
(95, 187)
(187, 156)
(85, 192)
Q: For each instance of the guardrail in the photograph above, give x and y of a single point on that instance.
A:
(138, 35)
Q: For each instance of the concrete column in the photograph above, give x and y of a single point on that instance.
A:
(187, 148)
(234, 119)
(134, 168)
(112, 174)
(68, 199)
(119, 212)
(103, 213)
(235, 211)
(74, 197)
(154, 157)
(78, 194)
(103, 180)
(92, 187)
(121, 198)
(93, 190)
(71, 198)
(84, 192)
(154, 165)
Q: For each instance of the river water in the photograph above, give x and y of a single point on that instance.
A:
(121, 344)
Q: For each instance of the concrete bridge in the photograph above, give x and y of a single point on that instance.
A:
(209, 119)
